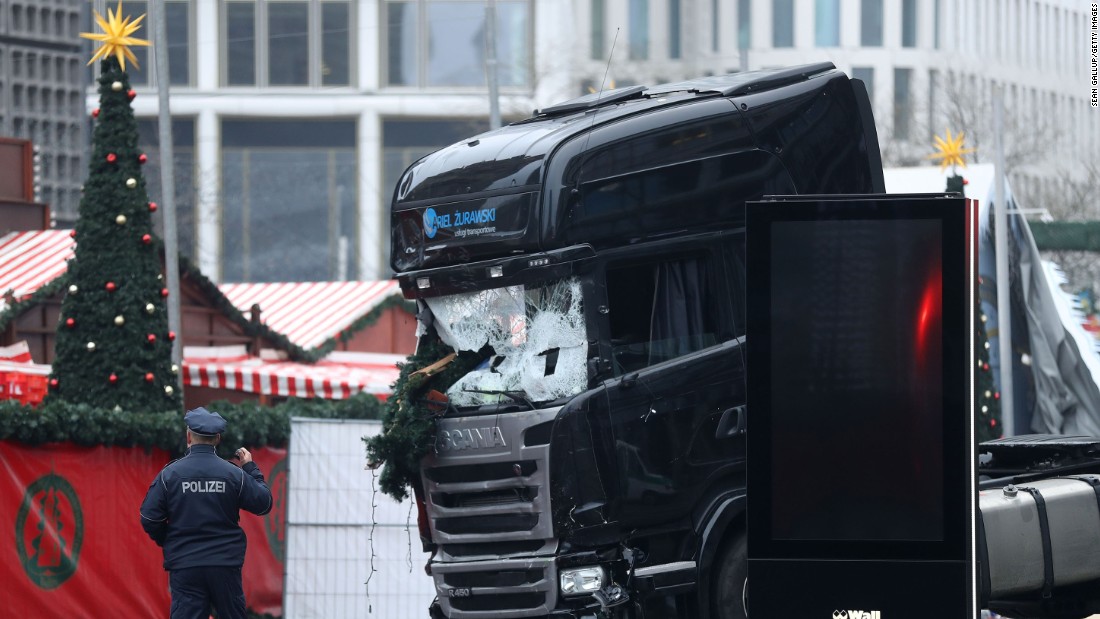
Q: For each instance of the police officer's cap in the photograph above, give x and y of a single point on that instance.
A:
(203, 422)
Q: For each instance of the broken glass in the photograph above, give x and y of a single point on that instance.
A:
(536, 333)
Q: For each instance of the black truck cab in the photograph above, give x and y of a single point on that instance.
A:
(594, 256)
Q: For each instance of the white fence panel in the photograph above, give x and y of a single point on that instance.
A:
(333, 511)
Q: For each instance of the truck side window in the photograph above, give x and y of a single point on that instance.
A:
(660, 311)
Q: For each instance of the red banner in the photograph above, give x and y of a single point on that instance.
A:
(266, 554)
(75, 547)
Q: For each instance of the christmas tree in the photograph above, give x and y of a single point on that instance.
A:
(987, 400)
(113, 344)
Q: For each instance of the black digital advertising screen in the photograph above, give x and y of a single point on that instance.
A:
(857, 379)
(859, 356)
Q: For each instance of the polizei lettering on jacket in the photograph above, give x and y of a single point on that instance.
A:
(203, 486)
(470, 438)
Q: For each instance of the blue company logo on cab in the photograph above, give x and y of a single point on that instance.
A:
(434, 222)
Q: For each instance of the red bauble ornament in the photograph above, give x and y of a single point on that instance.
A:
(70, 323)
(112, 378)
(993, 423)
(111, 157)
(149, 377)
(164, 292)
(131, 94)
(996, 395)
(95, 113)
(985, 367)
(53, 383)
(72, 234)
(151, 338)
(111, 287)
(171, 336)
(142, 158)
(145, 238)
(152, 207)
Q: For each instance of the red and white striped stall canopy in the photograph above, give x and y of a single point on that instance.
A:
(30, 260)
(310, 313)
(338, 376)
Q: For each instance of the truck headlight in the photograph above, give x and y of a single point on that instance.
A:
(582, 580)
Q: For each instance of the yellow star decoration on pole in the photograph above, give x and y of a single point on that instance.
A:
(950, 151)
(116, 37)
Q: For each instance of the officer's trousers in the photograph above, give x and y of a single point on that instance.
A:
(198, 589)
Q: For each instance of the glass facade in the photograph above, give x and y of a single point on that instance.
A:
(441, 43)
(178, 22)
(903, 103)
(782, 23)
(287, 44)
(827, 23)
(674, 29)
(867, 76)
(744, 24)
(289, 196)
(639, 29)
(870, 23)
(909, 23)
(596, 43)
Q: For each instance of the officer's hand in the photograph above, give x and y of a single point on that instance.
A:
(244, 455)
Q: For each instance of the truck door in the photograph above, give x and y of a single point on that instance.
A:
(676, 403)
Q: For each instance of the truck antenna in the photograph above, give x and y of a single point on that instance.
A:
(595, 106)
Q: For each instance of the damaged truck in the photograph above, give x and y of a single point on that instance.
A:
(587, 266)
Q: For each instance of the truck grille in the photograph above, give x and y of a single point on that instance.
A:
(489, 509)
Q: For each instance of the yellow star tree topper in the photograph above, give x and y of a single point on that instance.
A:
(950, 151)
(116, 37)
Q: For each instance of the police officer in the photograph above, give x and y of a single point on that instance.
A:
(192, 511)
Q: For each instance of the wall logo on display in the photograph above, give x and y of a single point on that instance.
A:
(49, 531)
(857, 614)
(275, 520)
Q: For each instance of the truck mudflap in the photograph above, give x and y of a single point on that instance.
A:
(1039, 526)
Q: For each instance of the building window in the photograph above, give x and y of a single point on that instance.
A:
(673, 29)
(287, 43)
(870, 27)
(908, 23)
(744, 24)
(867, 76)
(936, 22)
(178, 19)
(639, 29)
(783, 23)
(289, 183)
(441, 43)
(599, 13)
(186, 186)
(827, 23)
(903, 105)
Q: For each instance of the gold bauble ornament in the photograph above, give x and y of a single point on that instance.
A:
(150, 308)
(131, 182)
(175, 369)
(120, 220)
(120, 320)
(73, 289)
(91, 346)
(116, 86)
(168, 389)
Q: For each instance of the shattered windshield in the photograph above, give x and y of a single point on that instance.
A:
(536, 335)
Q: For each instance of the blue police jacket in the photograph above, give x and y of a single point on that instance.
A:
(192, 509)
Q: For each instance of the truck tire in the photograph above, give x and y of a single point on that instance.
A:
(729, 590)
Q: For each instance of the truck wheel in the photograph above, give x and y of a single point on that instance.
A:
(729, 590)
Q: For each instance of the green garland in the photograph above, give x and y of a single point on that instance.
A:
(409, 425)
(249, 424)
(16, 309)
